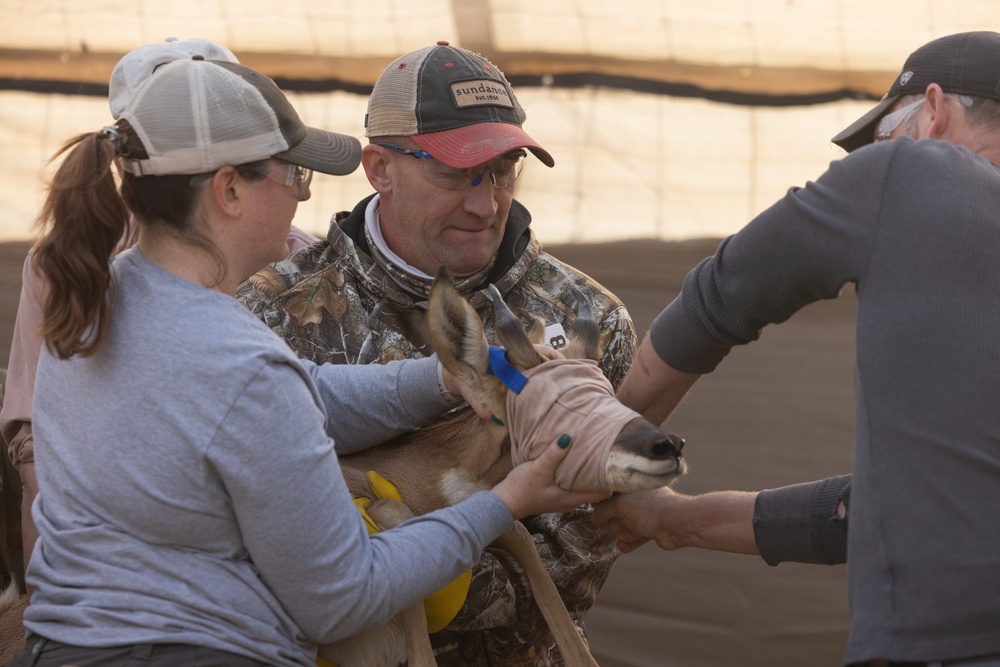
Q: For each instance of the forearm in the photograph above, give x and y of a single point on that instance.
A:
(372, 403)
(719, 521)
(308, 542)
(652, 388)
(29, 491)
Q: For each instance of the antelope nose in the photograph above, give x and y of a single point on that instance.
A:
(670, 445)
(642, 439)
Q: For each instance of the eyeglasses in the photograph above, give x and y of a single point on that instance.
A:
(294, 176)
(891, 121)
(290, 175)
(502, 172)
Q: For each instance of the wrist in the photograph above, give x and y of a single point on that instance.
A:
(684, 525)
(722, 521)
(509, 498)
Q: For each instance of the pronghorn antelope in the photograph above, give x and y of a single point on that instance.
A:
(462, 454)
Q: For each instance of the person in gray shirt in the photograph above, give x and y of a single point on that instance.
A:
(914, 224)
(191, 505)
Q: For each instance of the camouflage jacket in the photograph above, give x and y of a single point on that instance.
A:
(333, 301)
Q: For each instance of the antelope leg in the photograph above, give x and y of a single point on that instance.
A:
(418, 642)
(517, 540)
(388, 513)
(404, 640)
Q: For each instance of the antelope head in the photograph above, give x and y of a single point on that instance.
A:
(614, 448)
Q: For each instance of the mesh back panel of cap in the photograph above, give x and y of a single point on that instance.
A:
(391, 105)
(194, 117)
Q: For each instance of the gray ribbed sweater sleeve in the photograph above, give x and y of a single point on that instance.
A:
(371, 403)
(369, 579)
(802, 249)
(799, 523)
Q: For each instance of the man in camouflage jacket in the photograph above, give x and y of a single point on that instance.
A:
(354, 299)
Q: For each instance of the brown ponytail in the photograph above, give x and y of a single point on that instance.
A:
(85, 219)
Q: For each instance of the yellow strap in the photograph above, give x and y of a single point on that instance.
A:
(442, 606)
(363, 504)
(382, 487)
(323, 662)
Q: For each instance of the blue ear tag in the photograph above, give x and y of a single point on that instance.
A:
(505, 371)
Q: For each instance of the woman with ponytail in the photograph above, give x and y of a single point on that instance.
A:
(15, 415)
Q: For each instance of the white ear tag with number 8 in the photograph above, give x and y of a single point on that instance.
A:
(555, 336)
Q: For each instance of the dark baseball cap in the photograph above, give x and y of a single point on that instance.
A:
(966, 63)
(455, 104)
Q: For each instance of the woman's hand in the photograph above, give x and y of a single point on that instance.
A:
(531, 487)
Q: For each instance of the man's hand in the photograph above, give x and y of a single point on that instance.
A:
(635, 517)
(721, 521)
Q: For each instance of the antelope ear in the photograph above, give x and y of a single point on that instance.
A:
(460, 342)
(585, 334)
(534, 326)
(520, 351)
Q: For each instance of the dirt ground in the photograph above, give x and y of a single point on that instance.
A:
(776, 412)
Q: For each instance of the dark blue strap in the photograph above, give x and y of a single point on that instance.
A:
(505, 371)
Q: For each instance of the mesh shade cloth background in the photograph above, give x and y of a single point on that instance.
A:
(666, 118)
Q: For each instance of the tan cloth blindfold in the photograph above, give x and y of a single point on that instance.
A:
(571, 396)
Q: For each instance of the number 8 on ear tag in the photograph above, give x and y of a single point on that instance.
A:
(555, 336)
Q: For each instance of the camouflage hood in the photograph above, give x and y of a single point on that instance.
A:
(334, 301)
(518, 250)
